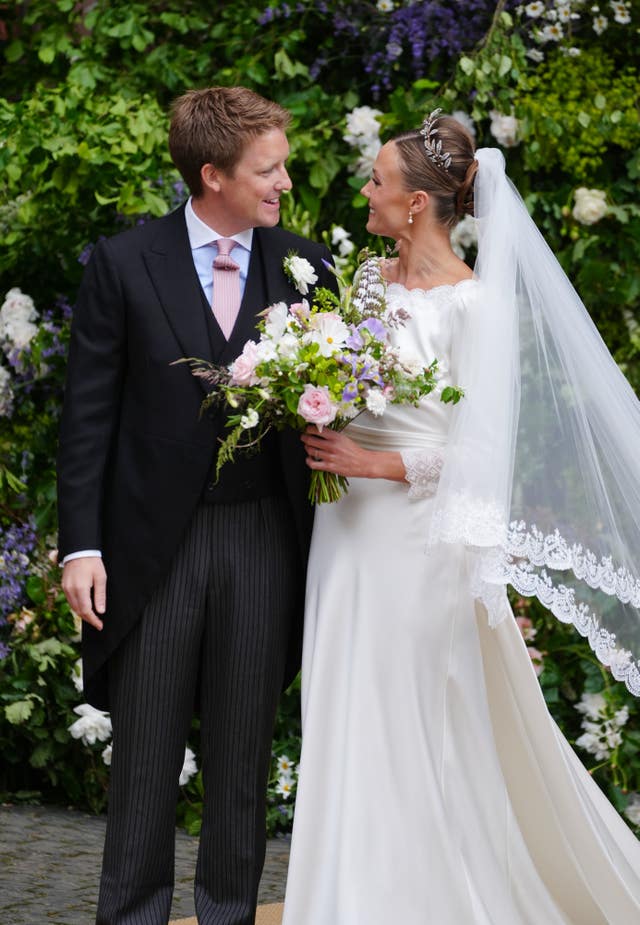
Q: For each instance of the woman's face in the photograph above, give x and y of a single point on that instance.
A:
(388, 198)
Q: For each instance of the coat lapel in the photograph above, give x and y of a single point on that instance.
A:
(173, 274)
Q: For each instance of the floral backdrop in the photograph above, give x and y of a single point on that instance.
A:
(83, 120)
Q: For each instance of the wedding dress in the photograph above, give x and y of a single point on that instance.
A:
(435, 788)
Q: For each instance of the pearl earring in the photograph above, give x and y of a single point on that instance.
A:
(410, 217)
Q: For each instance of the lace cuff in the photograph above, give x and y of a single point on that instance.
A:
(423, 469)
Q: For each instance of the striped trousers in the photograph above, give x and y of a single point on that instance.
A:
(216, 630)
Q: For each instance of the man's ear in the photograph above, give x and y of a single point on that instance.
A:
(210, 177)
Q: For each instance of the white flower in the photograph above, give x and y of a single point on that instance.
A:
(564, 13)
(592, 705)
(362, 123)
(621, 716)
(409, 364)
(189, 768)
(465, 120)
(276, 321)
(284, 788)
(288, 346)
(590, 205)
(600, 23)
(504, 129)
(385, 6)
(265, 351)
(300, 272)
(286, 767)
(93, 725)
(329, 331)
(591, 743)
(620, 12)
(534, 9)
(76, 676)
(536, 55)
(632, 810)
(18, 306)
(17, 315)
(6, 393)
(464, 235)
(551, 33)
(376, 402)
(368, 154)
(363, 131)
(341, 239)
(106, 754)
(250, 419)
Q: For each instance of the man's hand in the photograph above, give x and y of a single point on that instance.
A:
(81, 577)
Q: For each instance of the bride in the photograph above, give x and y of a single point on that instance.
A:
(435, 789)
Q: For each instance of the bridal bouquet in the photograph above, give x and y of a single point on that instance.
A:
(318, 362)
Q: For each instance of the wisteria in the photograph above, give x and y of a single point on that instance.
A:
(16, 548)
(396, 42)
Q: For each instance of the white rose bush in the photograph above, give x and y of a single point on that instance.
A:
(318, 362)
(590, 205)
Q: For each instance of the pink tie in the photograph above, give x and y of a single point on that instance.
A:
(226, 287)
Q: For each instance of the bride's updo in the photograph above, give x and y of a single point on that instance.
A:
(423, 168)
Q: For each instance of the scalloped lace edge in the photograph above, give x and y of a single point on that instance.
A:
(517, 555)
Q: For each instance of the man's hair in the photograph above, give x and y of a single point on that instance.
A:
(214, 125)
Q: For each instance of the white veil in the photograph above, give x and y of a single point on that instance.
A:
(542, 476)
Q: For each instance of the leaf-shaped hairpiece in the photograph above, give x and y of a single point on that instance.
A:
(432, 144)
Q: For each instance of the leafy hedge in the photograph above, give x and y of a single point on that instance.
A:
(83, 118)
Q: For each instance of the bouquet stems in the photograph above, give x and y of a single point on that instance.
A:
(326, 487)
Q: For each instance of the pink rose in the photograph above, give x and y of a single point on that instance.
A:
(316, 407)
(243, 368)
(537, 659)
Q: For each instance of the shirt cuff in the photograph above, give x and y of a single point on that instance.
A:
(82, 554)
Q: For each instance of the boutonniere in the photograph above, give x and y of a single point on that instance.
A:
(300, 272)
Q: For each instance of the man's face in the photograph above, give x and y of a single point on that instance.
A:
(250, 196)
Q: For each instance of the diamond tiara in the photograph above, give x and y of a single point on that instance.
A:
(431, 146)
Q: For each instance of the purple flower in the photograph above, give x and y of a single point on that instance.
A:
(375, 327)
(85, 254)
(354, 341)
(350, 391)
(16, 547)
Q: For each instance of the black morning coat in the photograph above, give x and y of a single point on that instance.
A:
(135, 455)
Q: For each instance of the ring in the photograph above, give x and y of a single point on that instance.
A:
(316, 457)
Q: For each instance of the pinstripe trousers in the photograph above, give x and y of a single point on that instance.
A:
(217, 629)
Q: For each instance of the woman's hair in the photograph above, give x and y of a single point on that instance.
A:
(451, 188)
(214, 125)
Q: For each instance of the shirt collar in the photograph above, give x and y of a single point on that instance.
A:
(201, 234)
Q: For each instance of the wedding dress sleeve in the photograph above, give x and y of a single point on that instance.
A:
(423, 468)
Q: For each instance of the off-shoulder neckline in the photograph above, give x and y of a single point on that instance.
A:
(461, 282)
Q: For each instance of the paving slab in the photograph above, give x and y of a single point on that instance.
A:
(50, 867)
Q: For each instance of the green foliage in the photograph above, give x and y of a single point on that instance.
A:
(37, 695)
(579, 114)
(74, 165)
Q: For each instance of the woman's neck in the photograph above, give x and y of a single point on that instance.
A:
(426, 260)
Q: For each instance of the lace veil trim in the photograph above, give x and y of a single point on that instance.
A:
(523, 556)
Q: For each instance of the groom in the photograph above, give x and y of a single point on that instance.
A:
(190, 589)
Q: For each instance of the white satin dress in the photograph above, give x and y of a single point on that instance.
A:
(435, 788)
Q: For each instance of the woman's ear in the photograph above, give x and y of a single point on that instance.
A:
(419, 201)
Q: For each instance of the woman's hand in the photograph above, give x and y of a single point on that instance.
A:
(330, 451)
